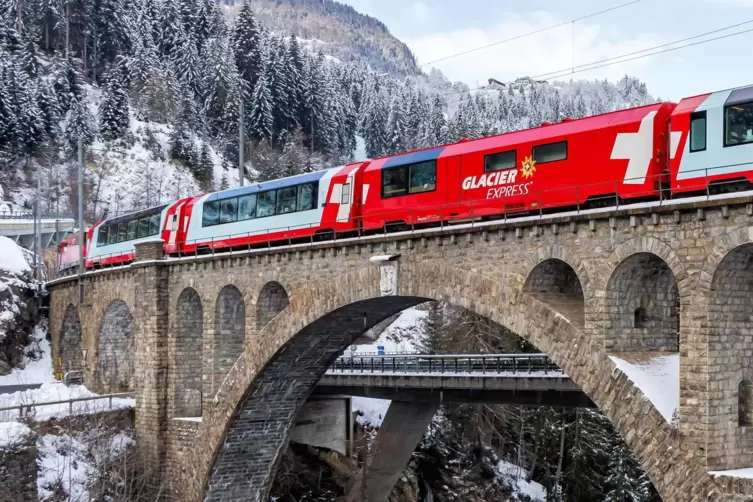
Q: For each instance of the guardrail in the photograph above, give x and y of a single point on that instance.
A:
(482, 364)
(18, 215)
(26, 408)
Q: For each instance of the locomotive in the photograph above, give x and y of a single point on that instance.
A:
(701, 144)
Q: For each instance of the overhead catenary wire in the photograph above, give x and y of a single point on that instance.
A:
(535, 32)
(623, 58)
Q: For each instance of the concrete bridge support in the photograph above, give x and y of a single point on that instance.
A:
(401, 430)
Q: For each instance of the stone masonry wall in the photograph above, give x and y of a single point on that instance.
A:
(692, 240)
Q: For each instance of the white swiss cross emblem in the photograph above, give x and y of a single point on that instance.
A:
(638, 149)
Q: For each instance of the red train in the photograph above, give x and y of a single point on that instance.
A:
(661, 150)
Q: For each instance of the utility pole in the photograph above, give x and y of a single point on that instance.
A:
(37, 227)
(241, 141)
(81, 246)
(312, 131)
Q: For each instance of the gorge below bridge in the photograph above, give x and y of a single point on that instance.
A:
(223, 350)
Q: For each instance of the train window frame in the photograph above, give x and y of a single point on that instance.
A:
(112, 234)
(695, 116)
(154, 224)
(345, 194)
(408, 170)
(273, 203)
(294, 198)
(250, 215)
(142, 224)
(533, 152)
(102, 235)
(205, 222)
(232, 201)
(514, 153)
(314, 196)
(727, 108)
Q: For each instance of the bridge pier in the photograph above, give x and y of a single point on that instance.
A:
(150, 326)
(403, 427)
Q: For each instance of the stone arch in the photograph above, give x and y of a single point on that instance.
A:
(554, 282)
(320, 322)
(271, 301)
(71, 354)
(730, 310)
(642, 306)
(229, 333)
(116, 348)
(187, 348)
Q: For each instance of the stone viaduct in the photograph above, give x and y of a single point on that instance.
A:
(223, 350)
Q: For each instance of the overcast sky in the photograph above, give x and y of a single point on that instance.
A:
(437, 28)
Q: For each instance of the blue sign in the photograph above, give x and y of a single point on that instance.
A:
(380, 350)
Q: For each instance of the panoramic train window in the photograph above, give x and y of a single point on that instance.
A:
(211, 213)
(307, 196)
(247, 207)
(123, 232)
(112, 234)
(551, 152)
(143, 230)
(501, 160)
(265, 204)
(698, 131)
(413, 178)
(394, 182)
(102, 236)
(229, 210)
(259, 205)
(154, 224)
(132, 226)
(423, 177)
(738, 124)
(286, 198)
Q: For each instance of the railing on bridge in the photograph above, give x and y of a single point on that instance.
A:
(25, 215)
(424, 364)
(25, 409)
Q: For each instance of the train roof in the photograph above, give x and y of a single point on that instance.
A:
(546, 131)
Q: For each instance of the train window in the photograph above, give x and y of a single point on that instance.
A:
(154, 224)
(265, 204)
(112, 234)
(551, 152)
(698, 131)
(132, 227)
(211, 213)
(143, 228)
(423, 177)
(307, 196)
(123, 232)
(394, 182)
(286, 198)
(229, 210)
(247, 207)
(345, 195)
(102, 236)
(738, 124)
(501, 160)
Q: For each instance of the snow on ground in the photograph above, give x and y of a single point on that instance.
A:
(61, 464)
(57, 391)
(11, 257)
(12, 432)
(735, 473)
(515, 477)
(372, 410)
(37, 370)
(658, 377)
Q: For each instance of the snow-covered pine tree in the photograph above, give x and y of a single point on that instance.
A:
(396, 126)
(261, 118)
(80, 124)
(374, 122)
(31, 61)
(283, 107)
(114, 117)
(112, 22)
(171, 36)
(205, 167)
(247, 42)
(9, 103)
(49, 108)
(222, 86)
(188, 68)
(297, 75)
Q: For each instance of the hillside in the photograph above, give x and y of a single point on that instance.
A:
(336, 29)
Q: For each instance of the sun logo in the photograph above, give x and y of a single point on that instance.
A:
(528, 167)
